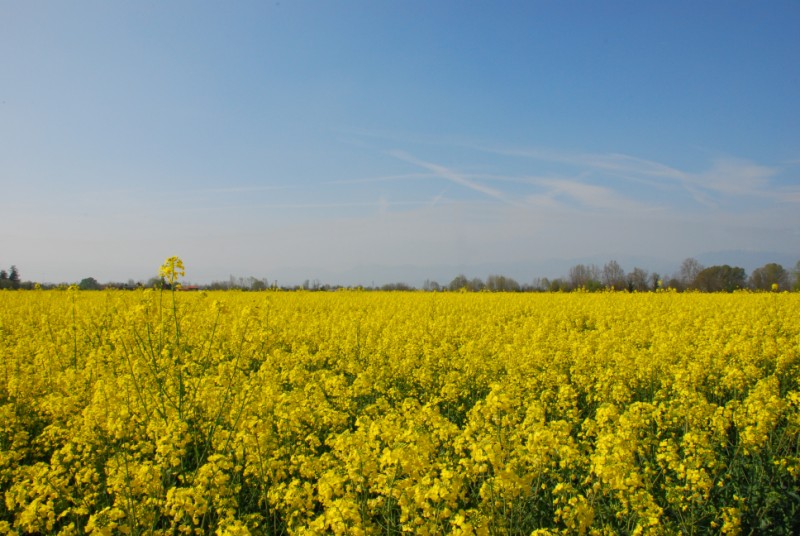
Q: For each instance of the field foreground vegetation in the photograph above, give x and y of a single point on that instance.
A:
(153, 412)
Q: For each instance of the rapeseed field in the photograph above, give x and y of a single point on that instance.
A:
(163, 412)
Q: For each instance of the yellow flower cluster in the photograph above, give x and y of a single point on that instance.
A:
(385, 413)
(172, 270)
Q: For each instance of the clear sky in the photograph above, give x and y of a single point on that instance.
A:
(325, 139)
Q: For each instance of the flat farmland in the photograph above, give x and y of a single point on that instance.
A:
(153, 412)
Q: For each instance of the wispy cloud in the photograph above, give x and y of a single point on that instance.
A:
(726, 176)
(381, 203)
(735, 176)
(451, 175)
(590, 195)
(438, 198)
(385, 178)
(613, 162)
(240, 189)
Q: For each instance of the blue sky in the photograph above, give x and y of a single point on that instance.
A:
(347, 141)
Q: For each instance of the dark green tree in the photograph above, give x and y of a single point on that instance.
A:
(157, 283)
(655, 281)
(460, 281)
(258, 284)
(720, 279)
(89, 283)
(557, 285)
(13, 277)
(770, 274)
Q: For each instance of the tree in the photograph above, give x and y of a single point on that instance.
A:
(584, 276)
(796, 273)
(89, 283)
(720, 279)
(557, 285)
(476, 284)
(501, 283)
(637, 280)
(431, 286)
(459, 282)
(13, 277)
(690, 268)
(613, 276)
(675, 283)
(655, 281)
(770, 274)
(400, 286)
(258, 284)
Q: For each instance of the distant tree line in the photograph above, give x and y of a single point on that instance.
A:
(692, 276)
